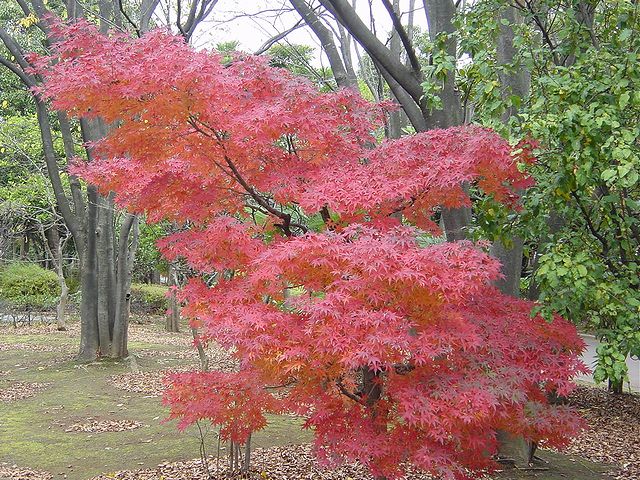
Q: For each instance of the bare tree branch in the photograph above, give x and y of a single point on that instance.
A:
(276, 38)
(404, 37)
(326, 38)
(404, 76)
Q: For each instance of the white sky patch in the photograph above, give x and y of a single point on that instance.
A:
(252, 23)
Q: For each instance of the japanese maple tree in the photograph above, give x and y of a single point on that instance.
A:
(395, 350)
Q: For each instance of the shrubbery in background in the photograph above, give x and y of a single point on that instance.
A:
(28, 286)
(149, 299)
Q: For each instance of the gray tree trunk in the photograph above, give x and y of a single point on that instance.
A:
(104, 246)
(89, 338)
(516, 82)
(397, 118)
(61, 308)
(172, 321)
(342, 76)
(54, 247)
(127, 245)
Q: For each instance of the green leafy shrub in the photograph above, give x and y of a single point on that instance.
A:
(73, 281)
(149, 299)
(28, 286)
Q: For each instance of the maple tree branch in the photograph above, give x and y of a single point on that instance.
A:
(291, 381)
(299, 226)
(193, 122)
(324, 213)
(255, 208)
(235, 173)
(285, 217)
(348, 394)
(400, 208)
(403, 368)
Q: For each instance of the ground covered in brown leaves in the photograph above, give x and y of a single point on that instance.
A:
(614, 430)
(20, 390)
(293, 462)
(101, 426)
(613, 438)
(108, 412)
(150, 383)
(13, 472)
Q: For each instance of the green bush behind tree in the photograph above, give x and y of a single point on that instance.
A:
(28, 286)
(149, 299)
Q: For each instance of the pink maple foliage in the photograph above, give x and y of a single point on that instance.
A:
(395, 353)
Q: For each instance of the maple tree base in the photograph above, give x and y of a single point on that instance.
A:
(554, 466)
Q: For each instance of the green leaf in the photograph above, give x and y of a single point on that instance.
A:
(625, 34)
(624, 169)
(608, 174)
(624, 100)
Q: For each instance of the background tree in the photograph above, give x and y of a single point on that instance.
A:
(548, 45)
(586, 113)
(105, 248)
(579, 219)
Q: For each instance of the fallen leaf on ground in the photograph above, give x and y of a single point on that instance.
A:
(100, 426)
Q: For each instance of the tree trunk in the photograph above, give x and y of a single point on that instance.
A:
(615, 387)
(58, 262)
(516, 82)
(247, 456)
(104, 258)
(89, 340)
(61, 309)
(372, 392)
(172, 321)
(397, 118)
(54, 247)
(326, 38)
(511, 265)
(126, 257)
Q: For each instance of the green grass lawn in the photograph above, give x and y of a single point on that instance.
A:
(32, 430)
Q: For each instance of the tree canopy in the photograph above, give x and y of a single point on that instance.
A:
(395, 351)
